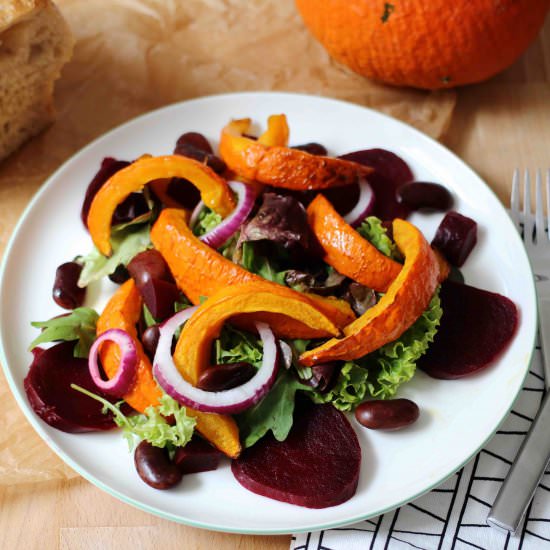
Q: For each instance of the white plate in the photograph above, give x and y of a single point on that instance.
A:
(458, 417)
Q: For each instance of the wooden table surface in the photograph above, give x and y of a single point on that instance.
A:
(497, 126)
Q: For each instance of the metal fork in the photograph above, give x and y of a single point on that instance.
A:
(533, 457)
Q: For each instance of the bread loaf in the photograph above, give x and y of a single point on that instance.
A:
(35, 42)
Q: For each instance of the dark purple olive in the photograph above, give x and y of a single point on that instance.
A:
(195, 146)
(133, 206)
(323, 376)
(312, 148)
(392, 414)
(109, 166)
(418, 194)
(159, 297)
(197, 456)
(66, 292)
(184, 192)
(225, 377)
(455, 237)
(150, 340)
(149, 265)
(154, 466)
(119, 275)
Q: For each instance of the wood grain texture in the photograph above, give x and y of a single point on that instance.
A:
(497, 126)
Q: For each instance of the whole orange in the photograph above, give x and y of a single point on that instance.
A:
(425, 43)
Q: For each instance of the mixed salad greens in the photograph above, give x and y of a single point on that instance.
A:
(263, 295)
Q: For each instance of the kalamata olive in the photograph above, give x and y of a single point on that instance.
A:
(150, 340)
(119, 275)
(312, 148)
(391, 414)
(455, 237)
(66, 292)
(323, 376)
(131, 207)
(154, 466)
(196, 146)
(149, 265)
(225, 377)
(418, 194)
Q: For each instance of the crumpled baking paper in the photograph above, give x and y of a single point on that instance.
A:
(132, 56)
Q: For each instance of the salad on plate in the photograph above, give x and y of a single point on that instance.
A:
(260, 296)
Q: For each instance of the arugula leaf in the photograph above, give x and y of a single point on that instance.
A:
(235, 345)
(260, 264)
(151, 426)
(127, 240)
(395, 363)
(79, 325)
(373, 230)
(274, 412)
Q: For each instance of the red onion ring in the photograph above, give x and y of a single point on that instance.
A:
(229, 401)
(124, 377)
(227, 228)
(364, 205)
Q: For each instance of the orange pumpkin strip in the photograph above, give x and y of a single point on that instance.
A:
(407, 297)
(348, 252)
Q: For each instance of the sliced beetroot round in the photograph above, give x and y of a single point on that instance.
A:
(317, 466)
(390, 173)
(475, 329)
(48, 389)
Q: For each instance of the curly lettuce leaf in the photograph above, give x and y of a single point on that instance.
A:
(274, 412)
(235, 345)
(260, 265)
(349, 390)
(373, 230)
(207, 220)
(127, 241)
(395, 363)
(79, 325)
(151, 426)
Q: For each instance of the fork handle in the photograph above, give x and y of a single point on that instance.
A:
(544, 335)
(524, 476)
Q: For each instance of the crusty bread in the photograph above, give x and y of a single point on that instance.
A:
(35, 42)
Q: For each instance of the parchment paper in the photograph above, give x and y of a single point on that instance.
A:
(132, 56)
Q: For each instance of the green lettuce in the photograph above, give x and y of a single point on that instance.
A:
(79, 325)
(151, 426)
(373, 230)
(127, 240)
(235, 345)
(395, 363)
(261, 265)
(207, 220)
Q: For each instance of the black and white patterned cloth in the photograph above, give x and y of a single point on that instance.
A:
(452, 517)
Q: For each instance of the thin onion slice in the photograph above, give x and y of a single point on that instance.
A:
(364, 205)
(230, 401)
(125, 375)
(227, 228)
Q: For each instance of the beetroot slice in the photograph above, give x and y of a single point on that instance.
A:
(476, 327)
(317, 466)
(390, 173)
(48, 390)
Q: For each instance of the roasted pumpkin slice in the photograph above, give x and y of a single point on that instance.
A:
(407, 297)
(282, 166)
(215, 192)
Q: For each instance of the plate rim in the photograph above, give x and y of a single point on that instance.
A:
(34, 421)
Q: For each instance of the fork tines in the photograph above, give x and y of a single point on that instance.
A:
(531, 227)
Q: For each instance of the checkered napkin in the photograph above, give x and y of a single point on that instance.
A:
(452, 517)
